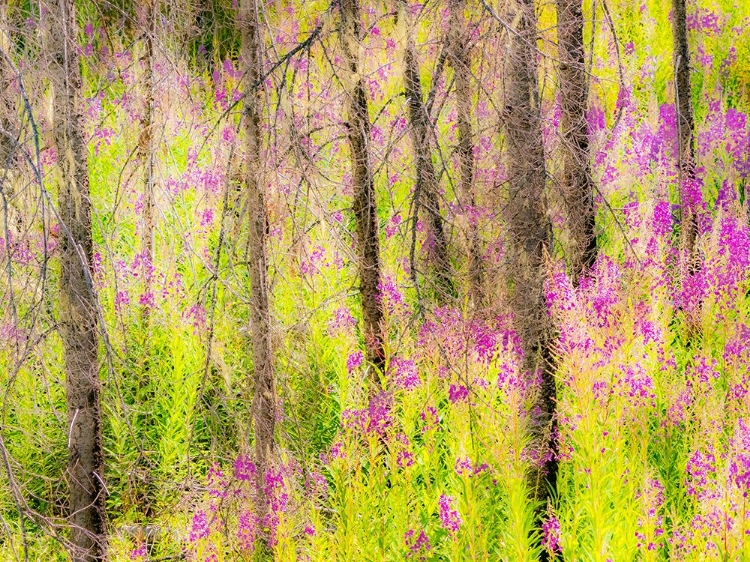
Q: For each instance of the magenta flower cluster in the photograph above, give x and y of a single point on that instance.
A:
(449, 517)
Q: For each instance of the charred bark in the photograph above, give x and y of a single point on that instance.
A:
(146, 151)
(458, 56)
(7, 106)
(426, 188)
(577, 183)
(264, 397)
(685, 126)
(9, 123)
(364, 204)
(78, 305)
(529, 236)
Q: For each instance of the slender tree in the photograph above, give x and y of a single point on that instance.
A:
(7, 77)
(78, 304)
(529, 232)
(264, 398)
(145, 145)
(685, 125)
(426, 188)
(577, 183)
(364, 204)
(460, 60)
(145, 153)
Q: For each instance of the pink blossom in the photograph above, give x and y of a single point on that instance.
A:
(449, 517)
(551, 534)
(200, 526)
(458, 393)
(354, 361)
(244, 469)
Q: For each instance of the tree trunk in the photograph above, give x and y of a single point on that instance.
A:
(145, 150)
(7, 106)
(8, 122)
(364, 205)
(78, 306)
(458, 56)
(685, 125)
(529, 234)
(264, 398)
(577, 184)
(426, 187)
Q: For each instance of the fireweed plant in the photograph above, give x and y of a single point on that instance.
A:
(651, 357)
(428, 459)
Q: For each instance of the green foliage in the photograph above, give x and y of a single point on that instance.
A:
(176, 369)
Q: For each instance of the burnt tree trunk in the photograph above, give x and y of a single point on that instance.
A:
(264, 397)
(577, 184)
(7, 106)
(364, 204)
(685, 126)
(9, 124)
(529, 234)
(426, 188)
(78, 306)
(146, 152)
(458, 56)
